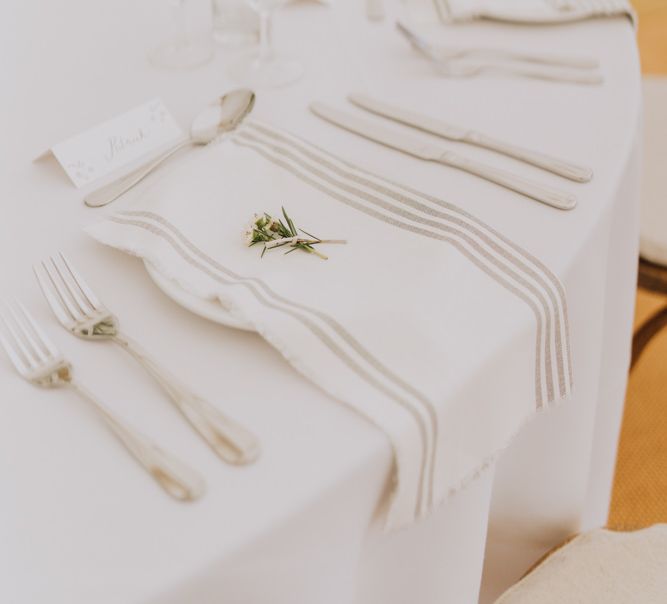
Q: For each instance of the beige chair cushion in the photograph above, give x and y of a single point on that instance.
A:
(600, 567)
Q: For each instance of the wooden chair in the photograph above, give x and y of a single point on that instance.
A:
(653, 239)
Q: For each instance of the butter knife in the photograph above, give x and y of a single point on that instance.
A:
(425, 150)
(455, 133)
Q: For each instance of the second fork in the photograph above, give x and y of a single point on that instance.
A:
(79, 311)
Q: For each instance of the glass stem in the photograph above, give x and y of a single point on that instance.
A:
(265, 43)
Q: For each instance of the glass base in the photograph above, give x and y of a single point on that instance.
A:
(182, 54)
(270, 72)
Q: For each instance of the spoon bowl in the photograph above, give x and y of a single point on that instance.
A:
(221, 116)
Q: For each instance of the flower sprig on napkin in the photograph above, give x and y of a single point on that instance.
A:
(273, 232)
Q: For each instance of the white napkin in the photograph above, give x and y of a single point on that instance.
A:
(428, 322)
(532, 11)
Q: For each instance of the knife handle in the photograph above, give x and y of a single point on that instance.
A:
(541, 160)
(546, 195)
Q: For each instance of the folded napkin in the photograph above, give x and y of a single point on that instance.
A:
(532, 11)
(429, 322)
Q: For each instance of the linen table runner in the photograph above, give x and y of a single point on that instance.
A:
(428, 322)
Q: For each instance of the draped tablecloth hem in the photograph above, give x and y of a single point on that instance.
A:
(392, 513)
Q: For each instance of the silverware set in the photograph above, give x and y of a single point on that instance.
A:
(80, 312)
(468, 62)
(472, 137)
(426, 150)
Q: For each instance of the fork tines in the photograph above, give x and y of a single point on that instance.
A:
(68, 295)
(24, 341)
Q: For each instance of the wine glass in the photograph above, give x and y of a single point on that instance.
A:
(263, 67)
(235, 23)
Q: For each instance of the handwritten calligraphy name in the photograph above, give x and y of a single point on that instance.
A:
(117, 144)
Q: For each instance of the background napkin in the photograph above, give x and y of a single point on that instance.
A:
(428, 322)
(537, 11)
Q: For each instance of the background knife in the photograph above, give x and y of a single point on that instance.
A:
(417, 147)
(439, 128)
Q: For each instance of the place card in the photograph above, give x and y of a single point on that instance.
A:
(118, 142)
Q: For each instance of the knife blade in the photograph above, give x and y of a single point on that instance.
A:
(378, 133)
(410, 118)
(439, 128)
(421, 149)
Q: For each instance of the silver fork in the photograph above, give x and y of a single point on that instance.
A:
(37, 360)
(79, 311)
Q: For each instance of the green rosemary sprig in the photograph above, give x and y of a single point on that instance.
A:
(273, 232)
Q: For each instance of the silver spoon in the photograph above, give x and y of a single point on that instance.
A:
(221, 116)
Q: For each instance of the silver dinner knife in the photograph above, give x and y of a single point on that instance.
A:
(454, 133)
(425, 150)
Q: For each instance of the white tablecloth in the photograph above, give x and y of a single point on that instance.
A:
(78, 523)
